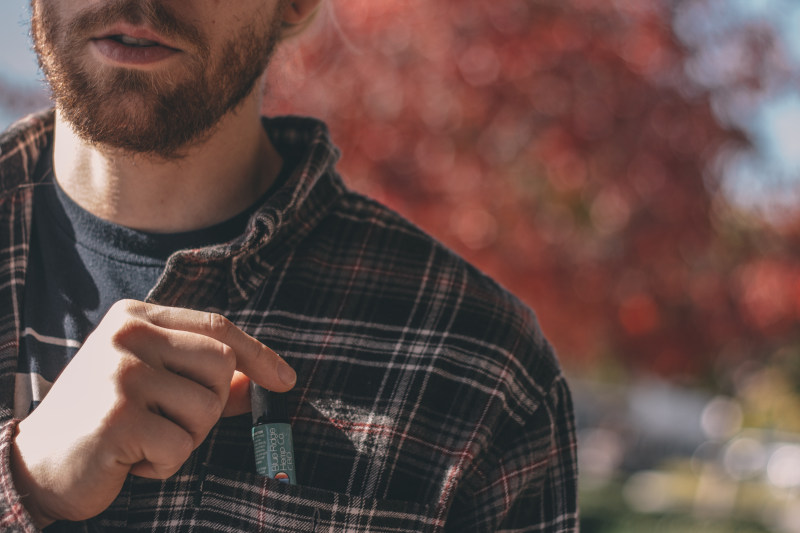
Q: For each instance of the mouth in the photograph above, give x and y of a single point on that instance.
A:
(127, 40)
(133, 47)
(134, 35)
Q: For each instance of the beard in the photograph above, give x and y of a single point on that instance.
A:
(141, 112)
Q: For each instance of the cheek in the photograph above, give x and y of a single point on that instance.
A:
(51, 18)
(66, 10)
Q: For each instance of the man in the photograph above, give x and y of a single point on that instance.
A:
(157, 235)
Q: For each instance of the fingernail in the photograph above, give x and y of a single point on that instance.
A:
(287, 374)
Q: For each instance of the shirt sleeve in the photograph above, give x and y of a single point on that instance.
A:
(13, 516)
(527, 478)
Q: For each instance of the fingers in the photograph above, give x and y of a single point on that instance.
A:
(239, 398)
(202, 359)
(142, 392)
(191, 406)
(165, 447)
(257, 361)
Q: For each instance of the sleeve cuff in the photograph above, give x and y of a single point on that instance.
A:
(14, 518)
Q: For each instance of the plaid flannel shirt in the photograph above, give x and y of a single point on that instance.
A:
(427, 398)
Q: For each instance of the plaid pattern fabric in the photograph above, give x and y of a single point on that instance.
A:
(427, 398)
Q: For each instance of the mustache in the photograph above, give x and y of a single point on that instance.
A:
(136, 12)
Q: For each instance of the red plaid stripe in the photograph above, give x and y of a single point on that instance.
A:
(427, 397)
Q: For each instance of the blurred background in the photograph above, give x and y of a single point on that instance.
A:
(630, 169)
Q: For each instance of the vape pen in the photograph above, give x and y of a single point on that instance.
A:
(272, 435)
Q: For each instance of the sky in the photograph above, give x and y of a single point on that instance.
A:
(17, 61)
(767, 180)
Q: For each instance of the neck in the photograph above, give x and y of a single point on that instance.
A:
(217, 178)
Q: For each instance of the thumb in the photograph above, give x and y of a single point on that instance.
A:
(239, 398)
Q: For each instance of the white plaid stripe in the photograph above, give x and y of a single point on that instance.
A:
(427, 398)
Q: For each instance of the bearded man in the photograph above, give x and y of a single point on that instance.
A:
(161, 243)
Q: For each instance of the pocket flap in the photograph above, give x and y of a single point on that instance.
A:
(242, 501)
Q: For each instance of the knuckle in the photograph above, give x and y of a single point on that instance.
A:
(166, 470)
(212, 406)
(183, 449)
(119, 419)
(128, 331)
(128, 375)
(126, 307)
(219, 325)
(228, 357)
(180, 448)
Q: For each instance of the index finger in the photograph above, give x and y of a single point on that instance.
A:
(254, 359)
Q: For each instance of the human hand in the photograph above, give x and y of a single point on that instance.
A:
(139, 396)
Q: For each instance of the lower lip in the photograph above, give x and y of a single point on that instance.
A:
(132, 55)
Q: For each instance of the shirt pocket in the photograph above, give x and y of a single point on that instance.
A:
(236, 501)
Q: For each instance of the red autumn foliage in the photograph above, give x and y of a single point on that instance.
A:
(560, 147)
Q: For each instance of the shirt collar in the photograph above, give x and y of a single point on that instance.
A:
(285, 219)
(21, 146)
(232, 271)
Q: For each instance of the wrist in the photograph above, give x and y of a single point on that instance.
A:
(26, 485)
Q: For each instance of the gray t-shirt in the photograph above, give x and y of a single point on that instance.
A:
(80, 265)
